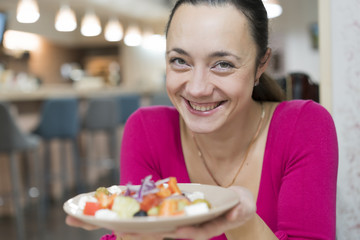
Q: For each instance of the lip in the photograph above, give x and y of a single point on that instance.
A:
(202, 113)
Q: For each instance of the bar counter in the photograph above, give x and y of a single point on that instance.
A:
(62, 90)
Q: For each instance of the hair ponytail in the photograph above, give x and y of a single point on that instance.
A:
(268, 90)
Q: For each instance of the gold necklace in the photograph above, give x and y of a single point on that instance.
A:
(245, 155)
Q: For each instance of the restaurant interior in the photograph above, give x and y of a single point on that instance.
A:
(54, 70)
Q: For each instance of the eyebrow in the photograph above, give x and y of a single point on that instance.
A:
(224, 54)
(179, 51)
(212, 55)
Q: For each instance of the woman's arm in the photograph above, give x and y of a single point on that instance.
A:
(306, 206)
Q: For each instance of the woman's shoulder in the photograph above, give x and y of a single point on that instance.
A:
(300, 108)
(300, 105)
(300, 113)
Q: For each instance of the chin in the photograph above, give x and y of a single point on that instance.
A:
(201, 127)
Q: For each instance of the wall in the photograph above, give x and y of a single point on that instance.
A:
(45, 63)
(290, 38)
(345, 70)
(142, 69)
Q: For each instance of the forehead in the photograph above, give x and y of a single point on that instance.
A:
(209, 26)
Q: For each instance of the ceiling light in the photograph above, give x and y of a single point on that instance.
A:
(14, 40)
(65, 20)
(113, 30)
(27, 11)
(155, 43)
(90, 25)
(133, 36)
(273, 8)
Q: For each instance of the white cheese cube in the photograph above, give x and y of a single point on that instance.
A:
(115, 189)
(105, 214)
(195, 195)
(195, 209)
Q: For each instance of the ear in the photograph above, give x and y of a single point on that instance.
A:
(264, 62)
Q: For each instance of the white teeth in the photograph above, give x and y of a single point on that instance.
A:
(203, 108)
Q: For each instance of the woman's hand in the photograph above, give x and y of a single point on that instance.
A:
(74, 222)
(236, 217)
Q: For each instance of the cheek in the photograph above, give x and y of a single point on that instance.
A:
(238, 86)
(172, 83)
(174, 80)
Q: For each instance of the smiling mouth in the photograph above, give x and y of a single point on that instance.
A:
(205, 107)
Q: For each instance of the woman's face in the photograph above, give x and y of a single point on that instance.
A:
(210, 65)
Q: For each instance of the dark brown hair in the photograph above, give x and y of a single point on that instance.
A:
(255, 12)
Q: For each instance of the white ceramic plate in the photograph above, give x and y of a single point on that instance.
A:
(221, 200)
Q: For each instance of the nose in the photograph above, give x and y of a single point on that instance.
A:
(199, 83)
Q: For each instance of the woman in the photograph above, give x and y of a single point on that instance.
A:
(229, 128)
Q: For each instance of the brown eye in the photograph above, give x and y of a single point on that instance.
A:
(178, 61)
(224, 65)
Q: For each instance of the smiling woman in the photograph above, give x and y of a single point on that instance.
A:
(229, 127)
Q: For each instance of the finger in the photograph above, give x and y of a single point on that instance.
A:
(235, 213)
(246, 207)
(74, 222)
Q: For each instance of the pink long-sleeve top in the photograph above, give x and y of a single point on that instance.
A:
(297, 194)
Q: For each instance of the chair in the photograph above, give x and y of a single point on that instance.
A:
(12, 141)
(102, 115)
(59, 120)
(300, 86)
(161, 99)
(127, 104)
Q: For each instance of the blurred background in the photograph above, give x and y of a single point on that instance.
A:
(51, 59)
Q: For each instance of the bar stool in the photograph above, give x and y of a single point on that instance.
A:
(160, 99)
(13, 141)
(59, 120)
(127, 104)
(101, 115)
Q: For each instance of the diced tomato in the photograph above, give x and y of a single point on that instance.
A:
(163, 191)
(91, 208)
(173, 186)
(149, 201)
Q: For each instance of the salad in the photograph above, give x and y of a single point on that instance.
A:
(161, 198)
